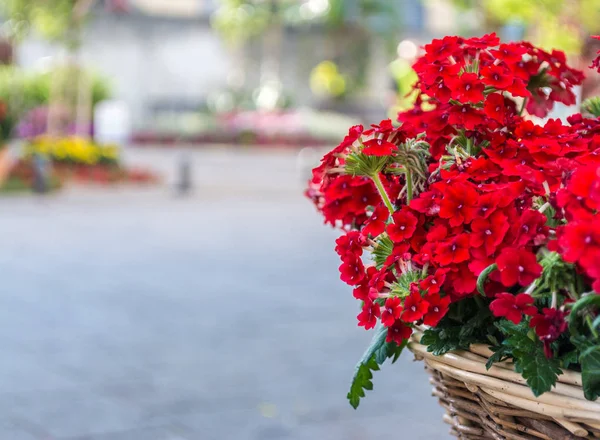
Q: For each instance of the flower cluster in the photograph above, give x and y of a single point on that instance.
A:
(468, 196)
(73, 150)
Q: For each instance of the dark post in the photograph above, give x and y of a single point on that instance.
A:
(41, 173)
(184, 174)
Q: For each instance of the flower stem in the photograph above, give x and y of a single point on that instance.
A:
(522, 106)
(409, 186)
(386, 199)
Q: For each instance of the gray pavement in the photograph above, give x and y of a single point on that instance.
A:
(135, 314)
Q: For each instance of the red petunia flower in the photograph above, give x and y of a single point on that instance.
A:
(378, 147)
(466, 116)
(497, 76)
(494, 107)
(454, 250)
(510, 53)
(350, 243)
(549, 326)
(466, 88)
(352, 270)
(489, 232)
(458, 204)
(368, 317)
(403, 227)
(433, 283)
(391, 311)
(513, 307)
(518, 266)
(398, 333)
(415, 306)
(438, 307)
(376, 223)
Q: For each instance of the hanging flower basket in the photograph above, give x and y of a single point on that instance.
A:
(497, 403)
(471, 234)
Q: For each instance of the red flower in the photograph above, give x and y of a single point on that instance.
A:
(549, 326)
(415, 306)
(518, 266)
(376, 223)
(489, 232)
(531, 229)
(512, 307)
(438, 307)
(378, 147)
(442, 49)
(466, 88)
(391, 311)
(510, 53)
(398, 333)
(368, 317)
(350, 243)
(404, 226)
(433, 283)
(494, 107)
(458, 204)
(454, 250)
(465, 116)
(352, 270)
(497, 76)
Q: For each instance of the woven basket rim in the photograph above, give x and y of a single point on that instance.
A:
(565, 403)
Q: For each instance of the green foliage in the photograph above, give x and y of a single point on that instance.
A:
(589, 359)
(556, 274)
(555, 24)
(26, 90)
(466, 323)
(52, 19)
(362, 381)
(359, 164)
(402, 285)
(501, 353)
(581, 307)
(375, 355)
(483, 277)
(540, 372)
(382, 251)
(591, 106)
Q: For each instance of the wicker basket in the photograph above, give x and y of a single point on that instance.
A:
(497, 404)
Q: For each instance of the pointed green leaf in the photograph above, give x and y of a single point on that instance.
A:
(589, 359)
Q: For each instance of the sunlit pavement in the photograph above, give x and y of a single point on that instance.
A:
(140, 314)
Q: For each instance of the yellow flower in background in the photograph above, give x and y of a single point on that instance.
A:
(73, 149)
(326, 80)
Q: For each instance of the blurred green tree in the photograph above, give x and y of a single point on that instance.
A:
(558, 24)
(349, 28)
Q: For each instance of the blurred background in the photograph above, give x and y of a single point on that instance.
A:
(163, 277)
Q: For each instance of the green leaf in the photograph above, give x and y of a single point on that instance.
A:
(591, 106)
(589, 359)
(359, 164)
(592, 299)
(569, 358)
(375, 355)
(362, 381)
(540, 372)
(501, 353)
(465, 323)
(442, 340)
(481, 279)
(384, 249)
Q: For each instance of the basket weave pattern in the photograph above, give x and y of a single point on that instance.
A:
(497, 404)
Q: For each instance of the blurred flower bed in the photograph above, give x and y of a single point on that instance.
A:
(73, 150)
(81, 160)
(283, 128)
(21, 177)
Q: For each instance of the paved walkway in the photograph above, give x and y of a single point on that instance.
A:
(139, 315)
